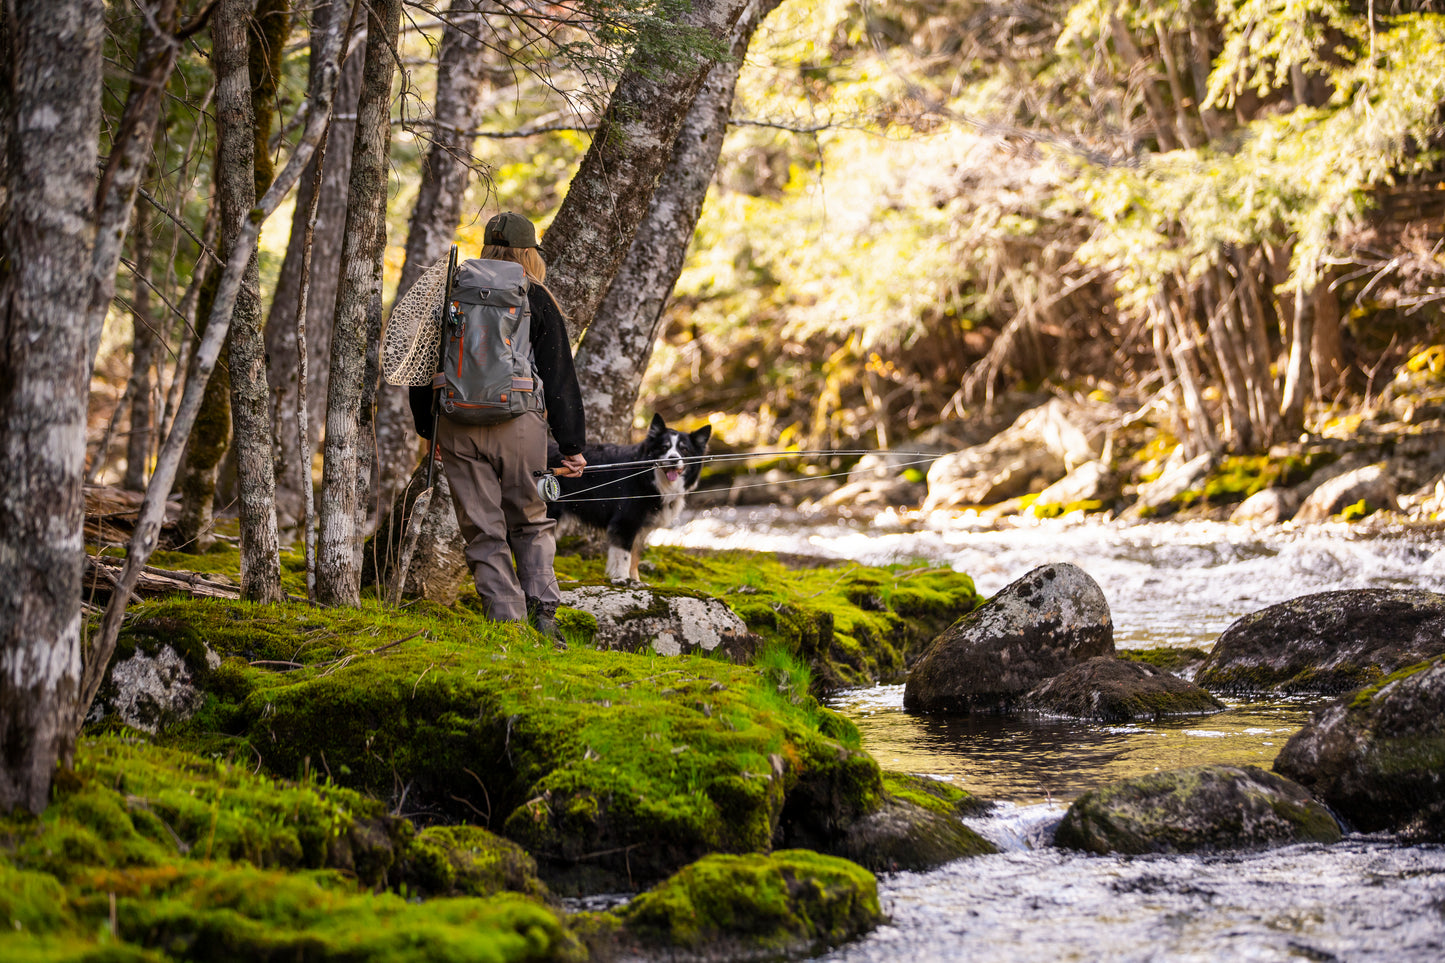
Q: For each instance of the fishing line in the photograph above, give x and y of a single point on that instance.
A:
(746, 456)
(569, 499)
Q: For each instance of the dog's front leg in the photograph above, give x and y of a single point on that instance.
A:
(619, 560)
(638, 544)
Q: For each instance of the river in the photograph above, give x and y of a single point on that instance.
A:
(1168, 584)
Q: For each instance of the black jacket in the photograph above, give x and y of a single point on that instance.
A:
(553, 356)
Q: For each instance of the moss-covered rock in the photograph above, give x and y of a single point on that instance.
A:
(1034, 628)
(468, 861)
(1329, 642)
(789, 904)
(1377, 757)
(1202, 808)
(852, 624)
(1114, 690)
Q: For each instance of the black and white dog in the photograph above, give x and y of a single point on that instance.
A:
(647, 492)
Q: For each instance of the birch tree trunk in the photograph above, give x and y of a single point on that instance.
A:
(613, 355)
(129, 156)
(145, 348)
(342, 510)
(611, 191)
(51, 120)
(246, 75)
(445, 172)
(323, 187)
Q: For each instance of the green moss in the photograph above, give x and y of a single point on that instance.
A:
(649, 761)
(195, 859)
(1236, 477)
(1357, 511)
(789, 901)
(852, 624)
(1168, 658)
(940, 797)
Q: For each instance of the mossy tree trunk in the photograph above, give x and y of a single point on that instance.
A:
(445, 171)
(313, 257)
(610, 193)
(245, 109)
(50, 117)
(613, 355)
(346, 466)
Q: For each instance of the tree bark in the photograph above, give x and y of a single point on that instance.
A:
(246, 75)
(358, 300)
(52, 55)
(611, 191)
(129, 156)
(445, 171)
(145, 349)
(323, 187)
(613, 355)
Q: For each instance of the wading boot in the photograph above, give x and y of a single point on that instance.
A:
(542, 616)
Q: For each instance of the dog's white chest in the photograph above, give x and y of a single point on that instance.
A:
(674, 494)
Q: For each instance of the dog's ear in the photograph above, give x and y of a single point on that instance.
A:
(658, 426)
(701, 436)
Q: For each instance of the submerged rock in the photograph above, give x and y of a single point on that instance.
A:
(1377, 757)
(787, 905)
(665, 622)
(1199, 809)
(1112, 690)
(1329, 642)
(1033, 629)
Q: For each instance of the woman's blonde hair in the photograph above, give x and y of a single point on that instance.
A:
(531, 260)
(532, 265)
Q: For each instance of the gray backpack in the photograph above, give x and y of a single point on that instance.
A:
(487, 374)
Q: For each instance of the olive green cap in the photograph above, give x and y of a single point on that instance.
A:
(510, 230)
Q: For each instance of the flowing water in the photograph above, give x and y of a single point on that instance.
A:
(1168, 584)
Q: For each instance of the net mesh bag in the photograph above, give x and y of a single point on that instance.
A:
(414, 332)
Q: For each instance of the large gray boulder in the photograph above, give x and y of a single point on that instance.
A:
(1198, 809)
(639, 619)
(1325, 643)
(1039, 448)
(1106, 689)
(1033, 629)
(1377, 757)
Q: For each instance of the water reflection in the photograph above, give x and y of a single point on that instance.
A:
(1028, 759)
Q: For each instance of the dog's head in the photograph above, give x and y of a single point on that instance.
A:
(678, 454)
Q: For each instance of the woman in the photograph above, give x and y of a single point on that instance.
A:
(510, 540)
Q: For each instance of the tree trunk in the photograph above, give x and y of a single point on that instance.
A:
(145, 349)
(1327, 354)
(246, 75)
(52, 55)
(146, 534)
(613, 355)
(611, 191)
(1299, 379)
(323, 187)
(444, 174)
(342, 509)
(129, 155)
